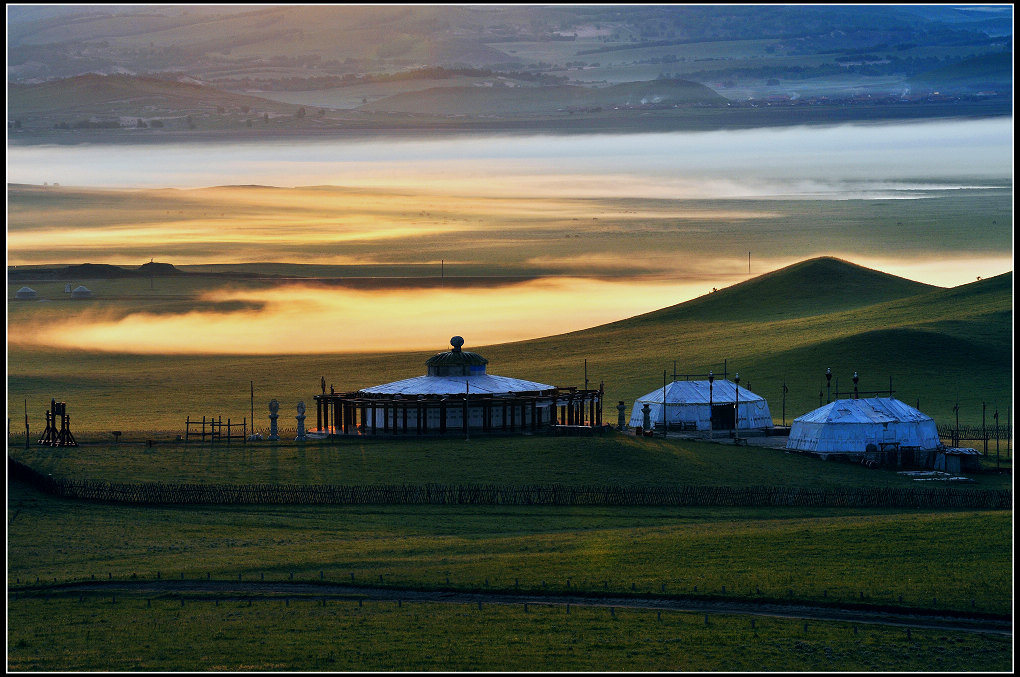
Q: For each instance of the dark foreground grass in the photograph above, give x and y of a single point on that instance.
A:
(63, 633)
(614, 459)
(952, 560)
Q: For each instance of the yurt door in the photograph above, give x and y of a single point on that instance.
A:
(722, 417)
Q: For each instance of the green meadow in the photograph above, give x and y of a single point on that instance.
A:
(142, 634)
(615, 459)
(958, 560)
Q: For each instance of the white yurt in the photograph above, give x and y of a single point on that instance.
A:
(849, 426)
(81, 292)
(695, 405)
(25, 293)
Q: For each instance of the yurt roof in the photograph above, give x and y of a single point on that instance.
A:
(456, 356)
(697, 392)
(26, 290)
(457, 385)
(865, 410)
(80, 288)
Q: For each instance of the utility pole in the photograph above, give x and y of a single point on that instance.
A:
(785, 390)
(664, 424)
(984, 434)
(996, 417)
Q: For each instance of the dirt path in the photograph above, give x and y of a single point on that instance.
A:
(254, 590)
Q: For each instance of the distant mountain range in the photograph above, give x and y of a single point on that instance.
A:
(92, 271)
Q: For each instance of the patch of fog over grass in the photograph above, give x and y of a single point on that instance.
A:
(308, 319)
(860, 160)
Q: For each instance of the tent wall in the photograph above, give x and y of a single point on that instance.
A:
(754, 414)
(835, 437)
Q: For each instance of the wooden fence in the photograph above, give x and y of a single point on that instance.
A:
(167, 493)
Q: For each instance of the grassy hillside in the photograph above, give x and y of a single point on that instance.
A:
(113, 95)
(987, 71)
(813, 287)
(549, 99)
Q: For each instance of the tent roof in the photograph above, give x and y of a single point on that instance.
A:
(81, 288)
(26, 289)
(453, 385)
(697, 392)
(866, 410)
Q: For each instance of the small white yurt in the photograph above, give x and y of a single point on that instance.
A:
(849, 426)
(81, 292)
(25, 293)
(694, 405)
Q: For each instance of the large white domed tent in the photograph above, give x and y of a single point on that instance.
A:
(849, 426)
(81, 292)
(455, 395)
(695, 405)
(25, 293)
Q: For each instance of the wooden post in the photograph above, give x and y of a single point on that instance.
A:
(467, 390)
(318, 413)
(187, 428)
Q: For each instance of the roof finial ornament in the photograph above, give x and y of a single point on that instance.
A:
(456, 342)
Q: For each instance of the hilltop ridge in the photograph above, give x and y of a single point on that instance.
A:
(819, 285)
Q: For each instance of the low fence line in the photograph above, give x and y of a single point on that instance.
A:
(167, 493)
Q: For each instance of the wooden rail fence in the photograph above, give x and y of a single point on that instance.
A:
(169, 493)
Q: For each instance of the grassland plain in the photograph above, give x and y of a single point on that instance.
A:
(132, 633)
(511, 233)
(945, 560)
(617, 460)
(940, 346)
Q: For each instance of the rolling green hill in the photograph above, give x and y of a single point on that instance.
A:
(548, 99)
(812, 287)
